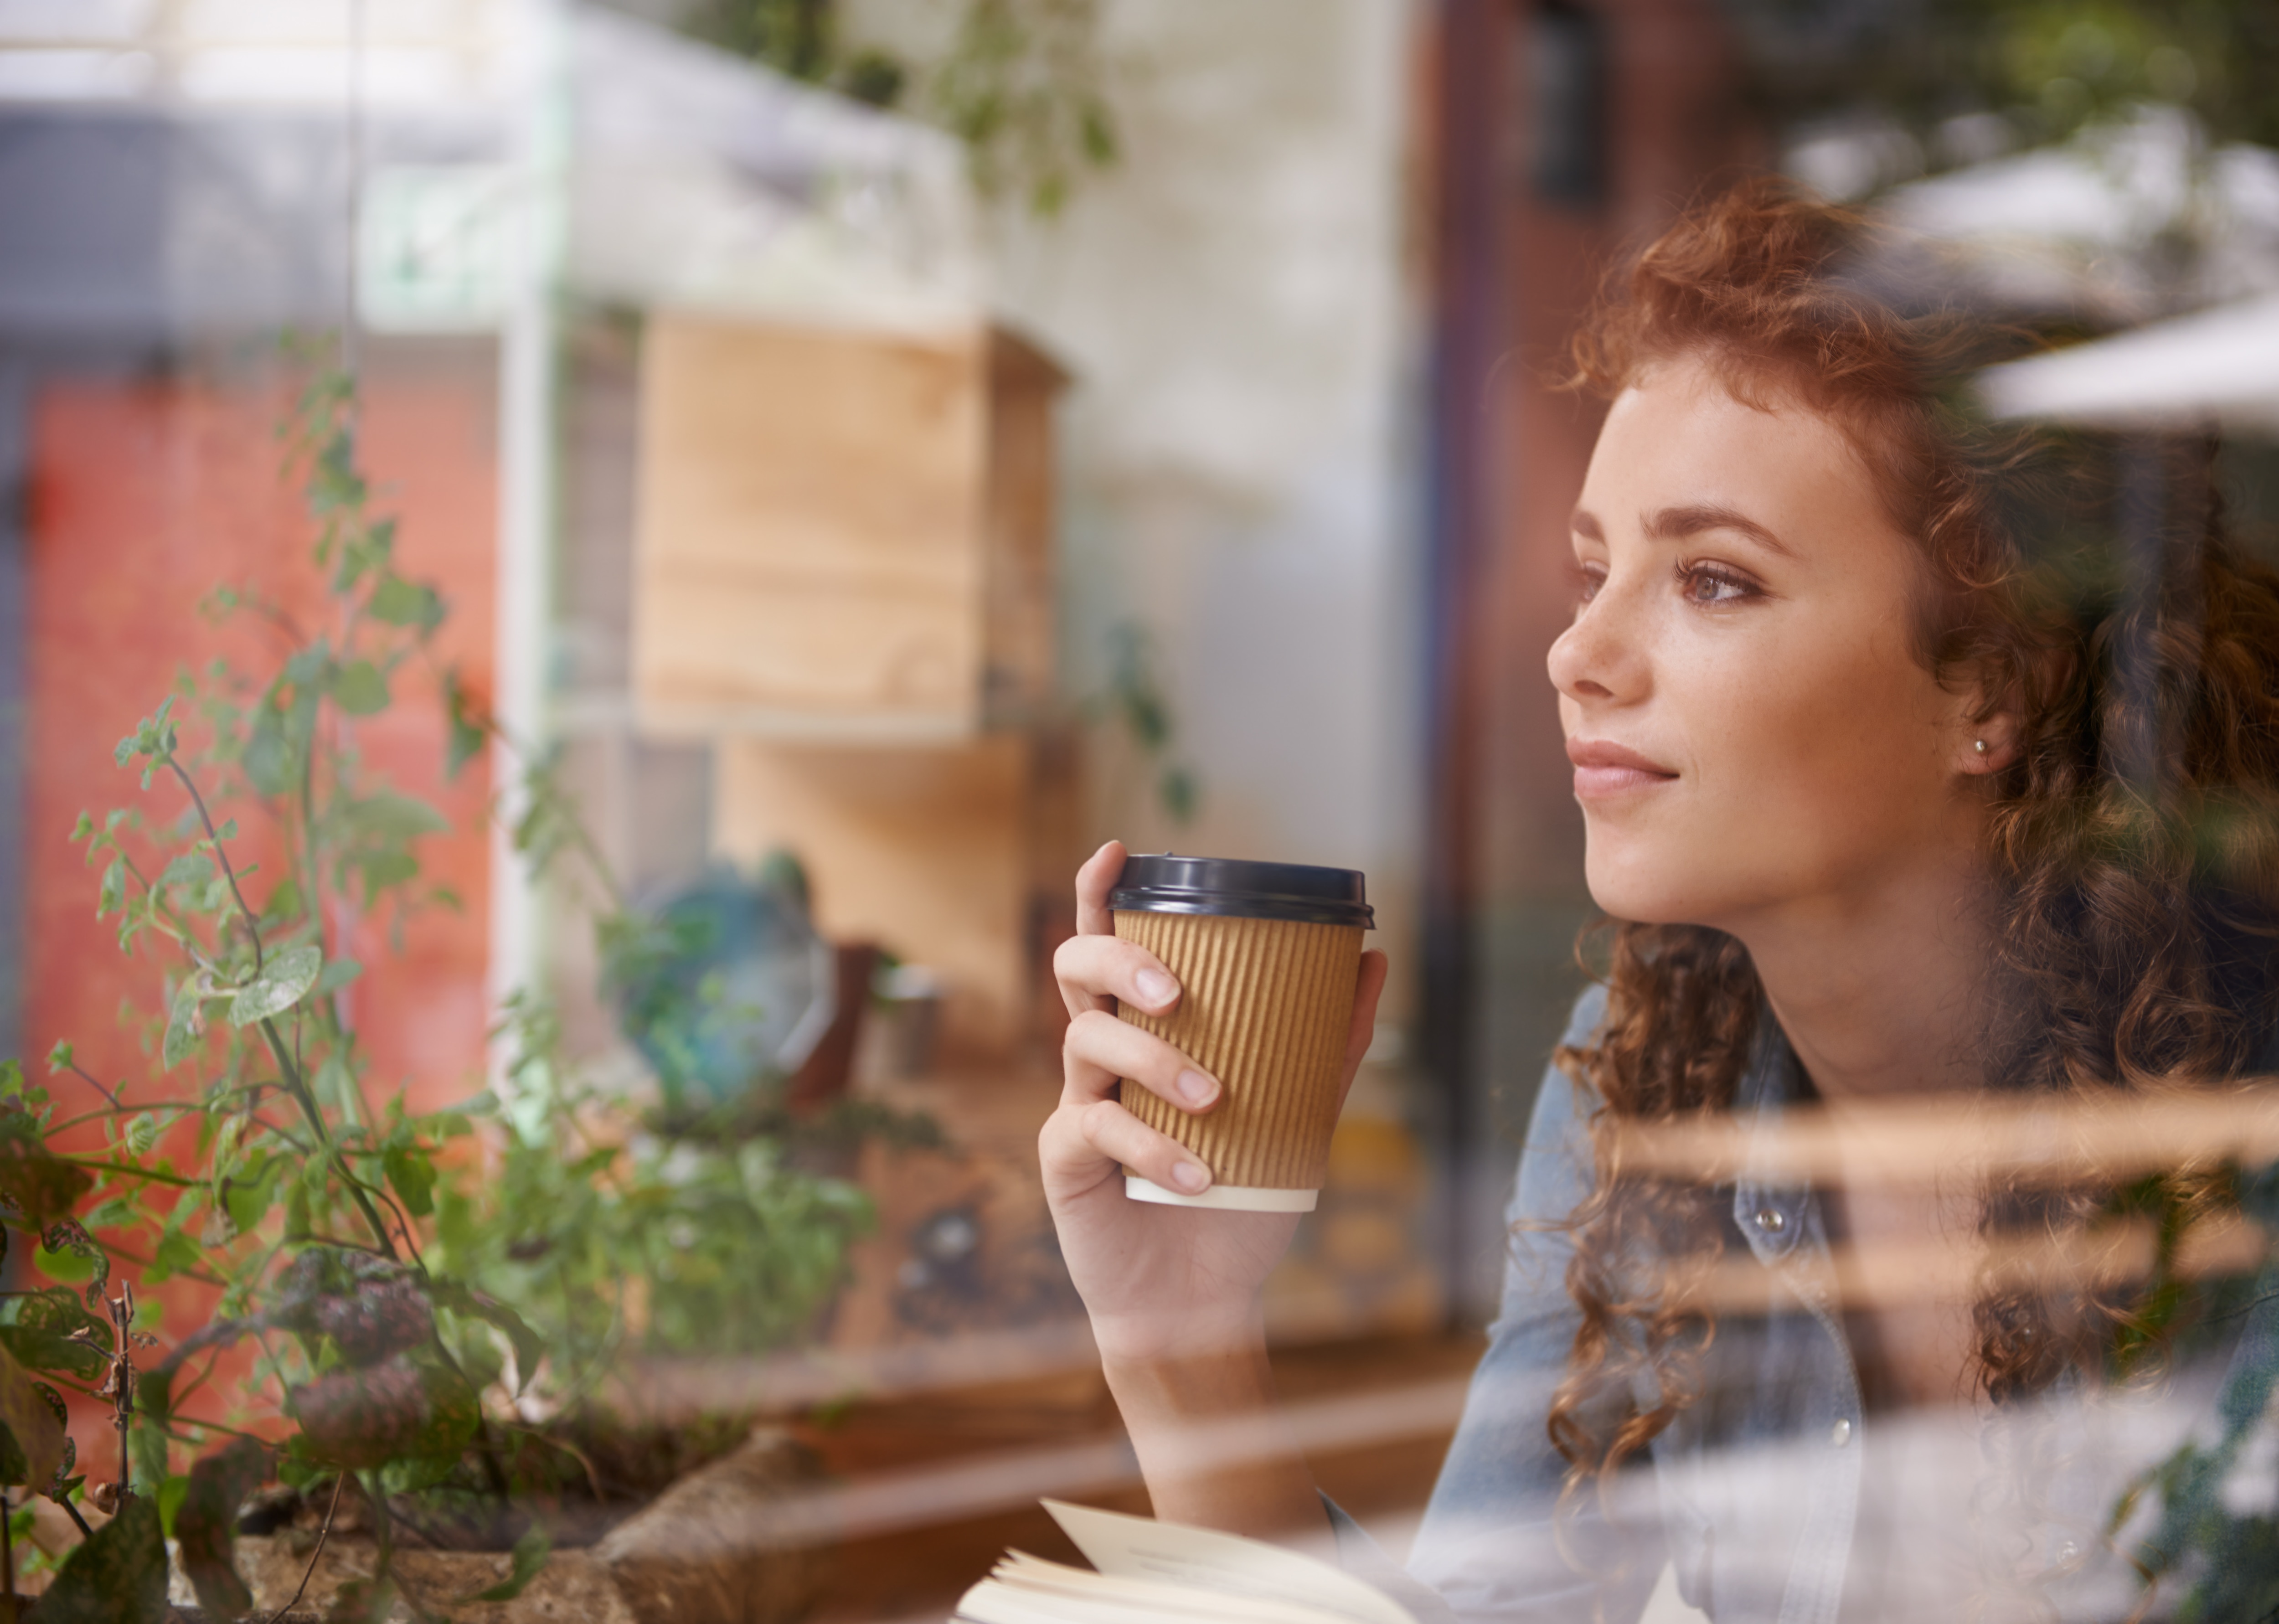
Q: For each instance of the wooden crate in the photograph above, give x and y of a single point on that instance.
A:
(841, 535)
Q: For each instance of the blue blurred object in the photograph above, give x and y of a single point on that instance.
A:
(724, 986)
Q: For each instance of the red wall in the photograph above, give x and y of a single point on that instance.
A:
(145, 495)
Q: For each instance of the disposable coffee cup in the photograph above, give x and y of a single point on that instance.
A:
(1267, 956)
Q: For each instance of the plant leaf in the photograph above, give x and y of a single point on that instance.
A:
(360, 689)
(67, 1235)
(148, 1447)
(465, 727)
(41, 1338)
(383, 868)
(111, 891)
(283, 982)
(171, 1493)
(175, 1253)
(529, 1347)
(391, 1411)
(530, 1554)
(35, 1437)
(189, 868)
(270, 759)
(398, 602)
(247, 1196)
(183, 1027)
(367, 1307)
(118, 1576)
(41, 1188)
(205, 1524)
(412, 1176)
(391, 816)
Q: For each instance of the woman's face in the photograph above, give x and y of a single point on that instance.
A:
(1749, 726)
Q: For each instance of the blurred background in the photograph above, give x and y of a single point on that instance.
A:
(876, 449)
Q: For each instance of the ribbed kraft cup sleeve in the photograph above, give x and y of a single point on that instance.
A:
(1265, 1008)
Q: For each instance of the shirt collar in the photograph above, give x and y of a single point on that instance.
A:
(1772, 1213)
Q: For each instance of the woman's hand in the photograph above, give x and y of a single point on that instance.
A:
(1161, 1282)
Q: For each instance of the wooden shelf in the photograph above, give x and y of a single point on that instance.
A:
(842, 535)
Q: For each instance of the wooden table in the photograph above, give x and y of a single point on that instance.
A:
(934, 1487)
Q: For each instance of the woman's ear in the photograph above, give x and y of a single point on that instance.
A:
(1989, 744)
(1996, 702)
(1987, 730)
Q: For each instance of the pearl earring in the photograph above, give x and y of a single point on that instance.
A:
(1979, 745)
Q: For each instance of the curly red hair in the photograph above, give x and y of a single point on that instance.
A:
(2134, 841)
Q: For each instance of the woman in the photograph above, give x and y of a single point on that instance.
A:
(1911, 794)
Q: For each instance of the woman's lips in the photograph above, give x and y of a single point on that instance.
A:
(1604, 769)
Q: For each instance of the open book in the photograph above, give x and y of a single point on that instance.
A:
(1160, 1572)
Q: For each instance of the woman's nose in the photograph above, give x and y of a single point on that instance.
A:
(1598, 656)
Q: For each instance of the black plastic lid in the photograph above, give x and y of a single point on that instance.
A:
(1161, 882)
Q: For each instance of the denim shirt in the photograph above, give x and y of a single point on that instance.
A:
(1754, 1489)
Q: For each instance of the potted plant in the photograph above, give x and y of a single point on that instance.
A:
(424, 1306)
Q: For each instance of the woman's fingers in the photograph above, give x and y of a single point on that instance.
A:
(1093, 882)
(1363, 1029)
(1092, 1129)
(1100, 1048)
(1076, 1139)
(1093, 970)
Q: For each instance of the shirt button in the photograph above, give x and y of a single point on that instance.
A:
(1840, 1434)
(1771, 1219)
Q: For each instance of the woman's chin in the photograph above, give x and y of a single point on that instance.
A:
(1637, 893)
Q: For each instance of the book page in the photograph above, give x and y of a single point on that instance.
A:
(1026, 1590)
(1142, 1548)
(993, 1601)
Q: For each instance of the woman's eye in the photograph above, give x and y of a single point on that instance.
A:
(1588, 578)
(1712, 584)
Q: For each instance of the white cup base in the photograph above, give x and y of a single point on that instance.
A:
(1226, 1197)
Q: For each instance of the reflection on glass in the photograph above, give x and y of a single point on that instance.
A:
(926, 439)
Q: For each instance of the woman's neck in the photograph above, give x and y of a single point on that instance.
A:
(1880, 999)
(1878, 995)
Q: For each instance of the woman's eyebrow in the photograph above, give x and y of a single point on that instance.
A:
(1671, 524)
(1586, 524)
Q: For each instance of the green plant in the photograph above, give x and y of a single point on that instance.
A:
(618, 1239)
(666, 1231)
(252, 1160)
(2227, 1545)
(800, 38)
(1022, 87)
(1136, 698)
(1021, 84)
(2044, 68)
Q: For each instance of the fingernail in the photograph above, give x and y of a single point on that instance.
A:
(1188, 1176)
(1156, 987)
(1196, 1089)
